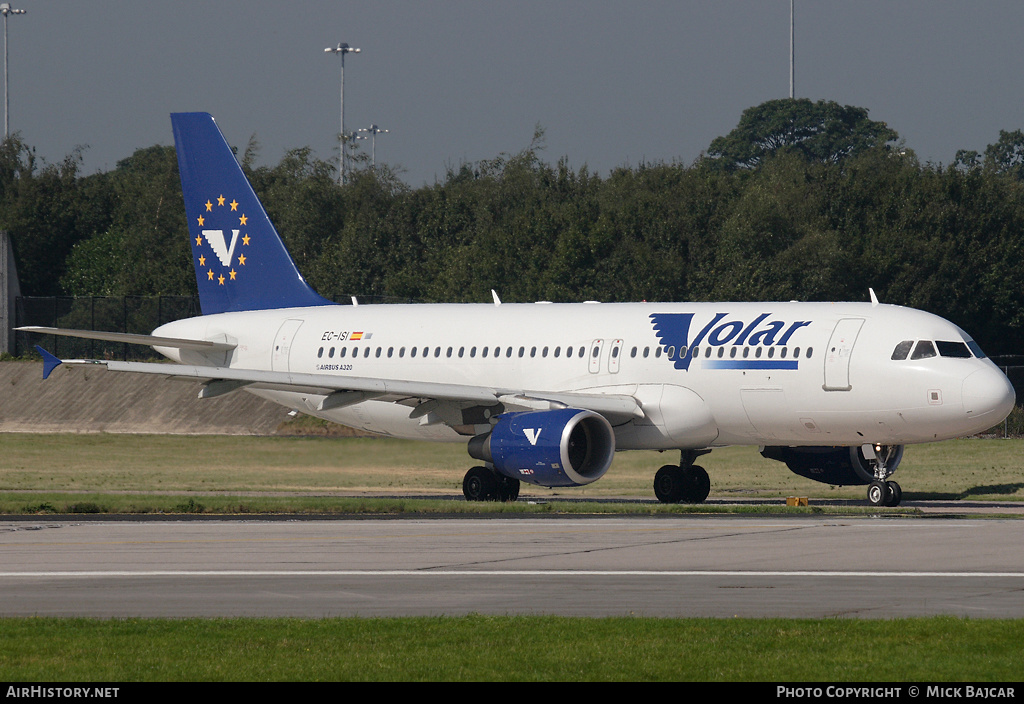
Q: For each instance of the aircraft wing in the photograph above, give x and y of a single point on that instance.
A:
(423, 396)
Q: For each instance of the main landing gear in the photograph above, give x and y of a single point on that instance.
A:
(883, 492)
(686, 483)
(484, 484)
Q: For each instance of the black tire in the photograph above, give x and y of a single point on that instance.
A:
(698, 484)
(670, 484)
(878, 493)
(480, 484)
(895, 493)
(508, 488)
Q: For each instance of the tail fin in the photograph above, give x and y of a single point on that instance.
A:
(240, 261)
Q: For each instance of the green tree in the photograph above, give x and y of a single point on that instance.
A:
(1006, 156)
(143, 248)
(39, 207)
(823, 131)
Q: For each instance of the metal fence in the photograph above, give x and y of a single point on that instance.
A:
(134, 314)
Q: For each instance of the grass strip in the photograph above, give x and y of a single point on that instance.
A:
(64, 504)
(974, 469)
(513, 648)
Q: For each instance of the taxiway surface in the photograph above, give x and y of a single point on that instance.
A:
(670, 567)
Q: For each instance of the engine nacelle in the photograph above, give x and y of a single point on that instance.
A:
(833, 465)
(564, 447)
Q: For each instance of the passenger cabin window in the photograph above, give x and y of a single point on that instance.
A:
(924, 350)
(953, 349)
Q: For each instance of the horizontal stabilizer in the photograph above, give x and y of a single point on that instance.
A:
(132, 339)
(50, 362)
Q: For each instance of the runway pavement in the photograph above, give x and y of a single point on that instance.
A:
(668, 566)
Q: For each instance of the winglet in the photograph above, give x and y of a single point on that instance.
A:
(49, 362)
(874, 298)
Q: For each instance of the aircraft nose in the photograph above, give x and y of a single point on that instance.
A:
(987, 392)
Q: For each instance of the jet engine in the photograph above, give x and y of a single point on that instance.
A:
(563, 447)
(833, 465)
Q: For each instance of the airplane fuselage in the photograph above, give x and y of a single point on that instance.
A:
(704, 374)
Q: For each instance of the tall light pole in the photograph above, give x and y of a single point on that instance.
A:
(6, 9)
(374, 131)
(791, 41)
(341, 50)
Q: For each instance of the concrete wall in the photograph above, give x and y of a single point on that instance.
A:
(93, 400)
(9, 292)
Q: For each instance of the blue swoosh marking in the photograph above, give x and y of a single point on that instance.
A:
(749, 364)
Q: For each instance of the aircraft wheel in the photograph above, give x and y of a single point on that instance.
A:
(480, 484)
(895, 493)
(670, 484)
(698, 484)
(878, 493)
(508, 488)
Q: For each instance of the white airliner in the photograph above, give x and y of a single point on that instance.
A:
(546, 393)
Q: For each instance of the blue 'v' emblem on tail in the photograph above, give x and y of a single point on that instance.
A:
(240, 261)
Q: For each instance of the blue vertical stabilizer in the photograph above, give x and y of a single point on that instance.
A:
(240, 261)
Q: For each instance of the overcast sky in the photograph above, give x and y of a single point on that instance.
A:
(612, 83)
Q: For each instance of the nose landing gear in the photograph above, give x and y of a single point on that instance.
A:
(883, 492)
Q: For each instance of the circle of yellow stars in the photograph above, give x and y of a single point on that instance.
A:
(242, 221)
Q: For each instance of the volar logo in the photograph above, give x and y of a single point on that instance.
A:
(532, 434)
(216, 213)
(673, 330)
(219, 247)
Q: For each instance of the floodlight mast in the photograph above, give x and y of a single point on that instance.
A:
(374, 130)
(792, 49)
(5, 10)
(340, 50)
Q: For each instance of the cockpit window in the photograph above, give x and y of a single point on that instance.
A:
(976, 349)
(902, 349)
(924, 350)
(953, 349)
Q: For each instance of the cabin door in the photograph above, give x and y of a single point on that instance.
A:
(283, 345)
(838, 353)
